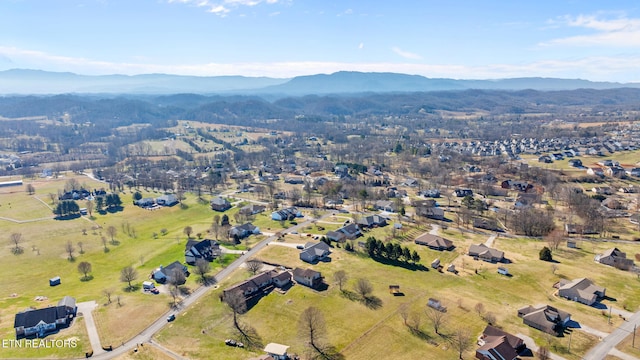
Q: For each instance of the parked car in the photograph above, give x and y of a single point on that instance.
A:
(171, 317)
(230, 342)
(300, 247)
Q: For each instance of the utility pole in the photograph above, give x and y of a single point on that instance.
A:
(633, 342)
(610, 314)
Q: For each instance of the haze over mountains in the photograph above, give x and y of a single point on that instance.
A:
(21, 81)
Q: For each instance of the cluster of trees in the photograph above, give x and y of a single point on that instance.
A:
(66, 207)
(110, 201)
(392, 251)
(532, 222)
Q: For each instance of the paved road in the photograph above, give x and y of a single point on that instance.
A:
(601, 350)
(146, 335)
(617, 353)
(86, 309)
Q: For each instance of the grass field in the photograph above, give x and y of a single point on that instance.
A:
(44, 257)
(368, 332)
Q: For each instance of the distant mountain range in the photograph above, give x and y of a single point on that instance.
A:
(20, 81)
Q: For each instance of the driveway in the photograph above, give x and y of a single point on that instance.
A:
(435, 229)
(533, 347)
(147, 334)
(86, 309)
(489, 242)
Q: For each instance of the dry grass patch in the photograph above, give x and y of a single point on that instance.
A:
(117, 324)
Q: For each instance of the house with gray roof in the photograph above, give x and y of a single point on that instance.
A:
(41, 322)
(581, 290)
(434, 242)
(483, 252)
(314, 252)
(545, 318)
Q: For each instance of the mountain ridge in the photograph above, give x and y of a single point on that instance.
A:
(40, 82)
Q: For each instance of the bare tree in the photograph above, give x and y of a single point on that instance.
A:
(107, 293)
(404, 313)
(175, 293)
(490, 318)
(437, 317)
(89, 206)
(188, 230)
(202, 269)
(254, 266)
(479, 308)
(112, 231)
(543, 353)
(30, 189)
(80, 245)
(215, 228)
(363, 288)
(128, 274)
(312, 327)
(84, 268)
(104, 243)
(16, 240)
(177, 278)
(414, 320)
(236, 302)
(555, 238)
(69, 248)
(462, 340)
(340, 277)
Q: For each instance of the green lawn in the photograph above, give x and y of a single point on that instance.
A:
(367, 331)
(44, 256)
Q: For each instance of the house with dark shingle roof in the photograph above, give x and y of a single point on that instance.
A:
(163, 274)
(219, 203)
(372, 221)
(315, 251)
(243, 231)
(581, 290)
(434, 242)
(206, 249)
(307, 277)
(496, 344)
(545, 318)
(616, 258)
(483, 252)
(40, 322)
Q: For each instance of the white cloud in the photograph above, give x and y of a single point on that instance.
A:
(406, 54)
(361, 46)
(620, 68)
(219, 10)
(618, 32)
(224, 7)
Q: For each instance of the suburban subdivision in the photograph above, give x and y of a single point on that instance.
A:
(417, 225)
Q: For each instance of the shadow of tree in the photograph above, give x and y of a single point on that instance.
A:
(327, 352)
(422, 335)
(350, 295)
(86, 278)
(249, 336)
(372, 302)
(132, 288)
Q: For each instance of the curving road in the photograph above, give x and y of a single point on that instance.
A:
(146, 335)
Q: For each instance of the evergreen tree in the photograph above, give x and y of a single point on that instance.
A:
(415, 257)
(545, 254)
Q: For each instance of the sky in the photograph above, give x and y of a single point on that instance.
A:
(460, 39)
